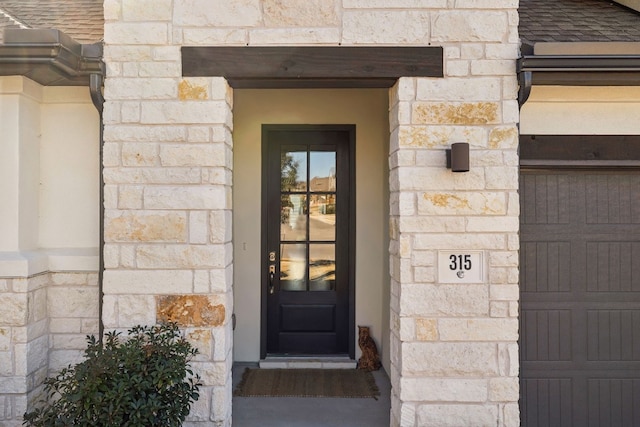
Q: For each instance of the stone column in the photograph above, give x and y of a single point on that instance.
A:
(454, 345)
(168, 162)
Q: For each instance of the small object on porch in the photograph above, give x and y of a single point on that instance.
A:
(370, 359)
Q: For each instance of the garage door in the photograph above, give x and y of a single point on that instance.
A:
(580, 298)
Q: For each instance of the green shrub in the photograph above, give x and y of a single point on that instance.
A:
(144, 380)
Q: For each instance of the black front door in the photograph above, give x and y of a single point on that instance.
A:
(307, 239)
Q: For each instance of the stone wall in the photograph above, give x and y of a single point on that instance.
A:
(168, 162)
(72, 308)
(43, 326)
(454, 347)
(168, 168)
(24, 344)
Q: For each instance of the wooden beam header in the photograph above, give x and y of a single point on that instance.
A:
(312, 66)
(580, 150)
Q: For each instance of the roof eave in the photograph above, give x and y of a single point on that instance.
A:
(619, 69)
(49, 57)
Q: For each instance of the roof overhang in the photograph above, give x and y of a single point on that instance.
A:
(49, 57)
(578, 64)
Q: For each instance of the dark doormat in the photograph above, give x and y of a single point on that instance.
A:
(307, 383)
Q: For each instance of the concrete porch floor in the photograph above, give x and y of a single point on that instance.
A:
(311, 412)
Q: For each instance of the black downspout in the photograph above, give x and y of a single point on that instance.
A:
(525, 79)
(95, 88)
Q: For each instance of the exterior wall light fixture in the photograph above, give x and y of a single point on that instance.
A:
(458, 157)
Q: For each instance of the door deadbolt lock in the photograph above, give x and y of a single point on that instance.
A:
(272, 256)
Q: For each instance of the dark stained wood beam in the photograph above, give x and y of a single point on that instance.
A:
(580, 150)
(312, 66)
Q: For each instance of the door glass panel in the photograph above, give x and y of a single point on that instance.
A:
(307, 214)
(293, 218)
(322, 217)
(322, 171)
(293, 267)
(322, 267)
(293, 170)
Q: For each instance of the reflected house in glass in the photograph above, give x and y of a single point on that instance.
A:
(323, 183)
(307, 222)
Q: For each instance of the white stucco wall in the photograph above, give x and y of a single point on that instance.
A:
(19, 156)
(49, 174)
(69, 169)
(368, 110)
(581, 110)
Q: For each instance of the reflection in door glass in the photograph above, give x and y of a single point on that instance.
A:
(293, 170)
(322, 171)
(322, 267)
(322, 217)
(293, 267)
(293, 220)
(307, 205)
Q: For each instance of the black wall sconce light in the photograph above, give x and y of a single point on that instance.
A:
(458, 157)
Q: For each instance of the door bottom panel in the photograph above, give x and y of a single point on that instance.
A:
(308, 343)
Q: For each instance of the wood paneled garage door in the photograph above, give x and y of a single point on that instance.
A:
(580, 298)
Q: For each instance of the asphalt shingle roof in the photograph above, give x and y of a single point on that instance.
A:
(81, 19)
(540, 20)
(8, 21)
(577, 21)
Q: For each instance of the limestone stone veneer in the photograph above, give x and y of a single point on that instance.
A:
(169, 168)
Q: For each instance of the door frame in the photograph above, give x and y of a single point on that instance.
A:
(264, 261)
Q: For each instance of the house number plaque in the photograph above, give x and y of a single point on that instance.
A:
(460, 267)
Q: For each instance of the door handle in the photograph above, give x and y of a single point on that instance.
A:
(272, 274)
